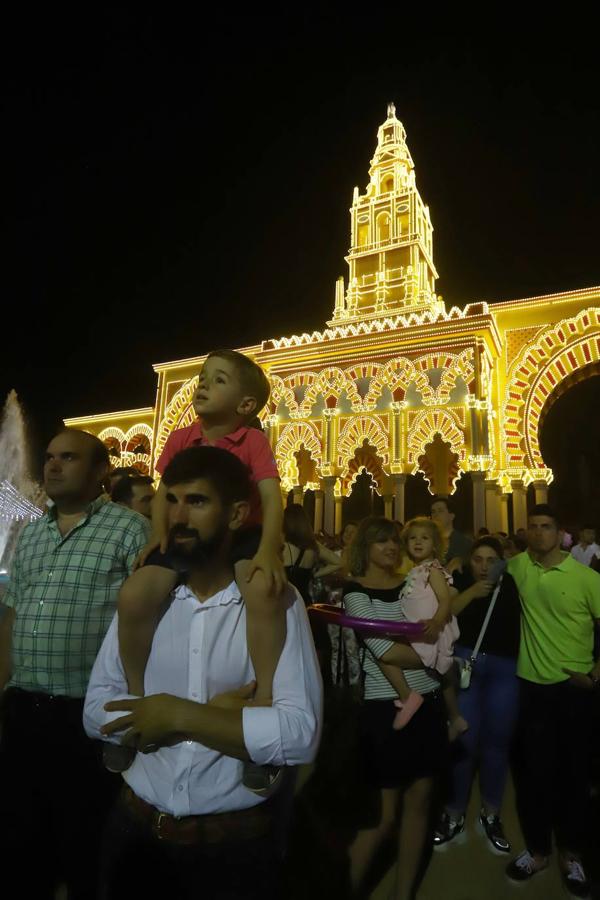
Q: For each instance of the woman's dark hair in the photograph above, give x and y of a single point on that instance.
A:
(224, 471)
(491, 542)
(297, 529)
(370, 531)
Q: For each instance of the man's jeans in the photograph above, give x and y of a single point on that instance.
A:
(490, 707)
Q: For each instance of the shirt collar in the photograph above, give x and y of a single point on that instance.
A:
(234, 437)
(564, 564)
(94, 506)
(230, 594)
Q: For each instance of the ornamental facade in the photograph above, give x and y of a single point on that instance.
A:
(397, 385)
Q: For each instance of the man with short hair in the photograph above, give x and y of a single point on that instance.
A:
(64, 581)
(186, 825)
(135, 492)
(560, 605)
(459, 545)
(120, 472)
(587, 551)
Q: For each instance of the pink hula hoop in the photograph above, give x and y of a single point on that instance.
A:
(335, 615)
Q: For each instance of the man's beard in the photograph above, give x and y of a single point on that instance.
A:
(197, 554)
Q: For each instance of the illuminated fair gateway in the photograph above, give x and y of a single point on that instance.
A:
(397, 385)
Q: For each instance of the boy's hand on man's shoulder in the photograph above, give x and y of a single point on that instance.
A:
(271, 565)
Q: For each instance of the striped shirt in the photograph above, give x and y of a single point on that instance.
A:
(64, 592)
(379, 603)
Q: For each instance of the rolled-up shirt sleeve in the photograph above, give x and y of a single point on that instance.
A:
(107, 682)
(288, 732)
(360, 605)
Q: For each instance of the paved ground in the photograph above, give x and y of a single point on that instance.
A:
(327, 800)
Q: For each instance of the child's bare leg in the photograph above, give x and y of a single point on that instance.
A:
(410, 700)
(141, 599)
(457, 725)
(265, 627)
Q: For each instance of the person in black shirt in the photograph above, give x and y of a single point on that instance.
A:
(490, 703)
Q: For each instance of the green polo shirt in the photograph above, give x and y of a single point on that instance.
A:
(558, 608)
(64, 592)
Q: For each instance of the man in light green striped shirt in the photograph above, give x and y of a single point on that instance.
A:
(64, 582)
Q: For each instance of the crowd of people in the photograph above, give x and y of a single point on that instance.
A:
(154, 751)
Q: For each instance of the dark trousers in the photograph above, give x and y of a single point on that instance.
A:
(54, 796)
(552, 765)
(137, 864)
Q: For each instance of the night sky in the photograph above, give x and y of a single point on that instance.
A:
(173, 185)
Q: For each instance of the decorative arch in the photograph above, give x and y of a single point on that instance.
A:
(354, 435)
(330, 383)
(397, 374)
(178, 414)
(424, 428)
(364, 461)
(112, 432)
(537, 372)
(293, 437)
(282, 393)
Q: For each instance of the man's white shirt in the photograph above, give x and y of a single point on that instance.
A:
(585, 555)
(199, 651)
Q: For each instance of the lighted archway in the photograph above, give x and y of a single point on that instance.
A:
(293, 438)
(355, 434)
(425, 427)
(178, 414)
(572, 345)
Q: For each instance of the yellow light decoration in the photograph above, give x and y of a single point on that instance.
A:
(395, 372)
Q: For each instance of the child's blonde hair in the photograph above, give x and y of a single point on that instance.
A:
(440, 544)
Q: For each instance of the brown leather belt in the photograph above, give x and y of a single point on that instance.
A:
(227, 827)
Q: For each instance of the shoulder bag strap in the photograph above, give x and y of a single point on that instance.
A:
(486, 621)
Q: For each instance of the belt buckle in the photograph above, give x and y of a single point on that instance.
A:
(158, 825)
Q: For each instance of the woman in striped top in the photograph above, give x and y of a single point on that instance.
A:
(394, 763)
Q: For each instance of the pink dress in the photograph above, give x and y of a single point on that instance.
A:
(419, 602)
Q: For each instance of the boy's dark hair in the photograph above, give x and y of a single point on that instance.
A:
(123, 489)
(544, 509)
(491, 542)
(253, 380)
(225, 472)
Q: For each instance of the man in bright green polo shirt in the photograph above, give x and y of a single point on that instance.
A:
(559, 679)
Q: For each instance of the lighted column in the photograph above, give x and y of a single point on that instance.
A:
(298, 494)
(492, 506)
(398, 407)
(271, 430)
(519, 492)
(503, 501)
(318, 523)
(330, 432)
(338, 514)
(541, 491)
(329, 504)
(479, 517)
(399, 486)
(388, 502)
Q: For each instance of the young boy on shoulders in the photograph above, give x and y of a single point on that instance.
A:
(232, 389)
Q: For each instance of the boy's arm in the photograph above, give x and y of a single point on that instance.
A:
(268, 557)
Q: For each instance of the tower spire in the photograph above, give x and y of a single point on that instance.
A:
(391, 253)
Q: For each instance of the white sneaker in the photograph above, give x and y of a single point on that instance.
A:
(524, 867)
(574, 878)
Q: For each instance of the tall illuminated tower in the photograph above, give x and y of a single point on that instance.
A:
(391, 256)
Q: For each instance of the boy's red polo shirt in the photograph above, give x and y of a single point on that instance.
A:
(248, 444)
